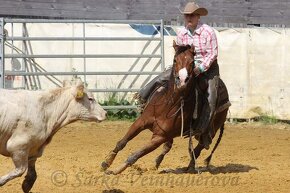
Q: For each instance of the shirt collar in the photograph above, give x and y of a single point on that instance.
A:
(197, 30)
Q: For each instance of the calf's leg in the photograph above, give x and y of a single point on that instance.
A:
(30, 177)
(20, 159)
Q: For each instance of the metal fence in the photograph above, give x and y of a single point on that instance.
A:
(24, 55)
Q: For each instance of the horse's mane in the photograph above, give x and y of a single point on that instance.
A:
(168, 86)
(181, 49)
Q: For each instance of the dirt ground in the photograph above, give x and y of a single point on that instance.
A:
(251, 158)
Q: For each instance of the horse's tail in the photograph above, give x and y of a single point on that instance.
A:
(207, 160)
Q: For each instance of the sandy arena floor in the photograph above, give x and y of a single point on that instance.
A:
(251, 158)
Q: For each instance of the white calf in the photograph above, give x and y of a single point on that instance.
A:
(29, 119)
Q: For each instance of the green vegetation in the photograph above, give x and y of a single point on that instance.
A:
(267, 119)
(119, 114)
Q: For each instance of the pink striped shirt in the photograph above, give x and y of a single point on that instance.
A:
(205, 42)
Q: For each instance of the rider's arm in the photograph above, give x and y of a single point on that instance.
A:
(210, 50)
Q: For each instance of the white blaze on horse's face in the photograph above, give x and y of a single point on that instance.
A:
(183, 74)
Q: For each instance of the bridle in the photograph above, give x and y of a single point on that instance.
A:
(182, 98)
(182, 71)
(181, 101)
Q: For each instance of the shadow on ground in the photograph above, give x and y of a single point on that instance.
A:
(229, 168)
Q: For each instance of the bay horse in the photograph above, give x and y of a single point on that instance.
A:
(168, 112)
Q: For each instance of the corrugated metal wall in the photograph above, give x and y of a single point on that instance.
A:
(221, 12)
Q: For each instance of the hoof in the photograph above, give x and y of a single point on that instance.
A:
(154, 168)
(192, 170)
(105, 166)
(109, 172)
(26, 187)
(2, 183)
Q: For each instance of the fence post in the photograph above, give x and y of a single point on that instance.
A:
(162, 45)
(2, 39)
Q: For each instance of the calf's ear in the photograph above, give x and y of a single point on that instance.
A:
(80, 93)
(66, 83)
(79, 90)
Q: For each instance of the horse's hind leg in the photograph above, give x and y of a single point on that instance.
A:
(219, 122)
(155, 142)
(166, 148)
(133, 131)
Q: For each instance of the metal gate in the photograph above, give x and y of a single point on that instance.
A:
(30, 72)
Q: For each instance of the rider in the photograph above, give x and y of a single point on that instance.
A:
(206, 68)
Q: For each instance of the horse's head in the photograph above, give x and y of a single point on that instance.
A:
(183, 64)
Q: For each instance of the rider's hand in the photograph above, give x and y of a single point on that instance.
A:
(196, 71)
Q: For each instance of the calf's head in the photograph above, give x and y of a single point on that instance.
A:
(83, 105)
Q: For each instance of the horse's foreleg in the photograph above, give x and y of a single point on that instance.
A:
(133, 131)
(197, 151)
(166, 148)
(155, 142)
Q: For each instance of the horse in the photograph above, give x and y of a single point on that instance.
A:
(168, 114)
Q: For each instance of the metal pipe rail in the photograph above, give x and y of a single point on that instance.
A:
(13, 73)
(28, 56)
(9, 20)
(82, 39)
(83, 56)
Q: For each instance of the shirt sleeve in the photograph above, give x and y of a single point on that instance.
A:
(210, 52)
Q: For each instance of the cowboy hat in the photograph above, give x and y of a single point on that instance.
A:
(193, 8)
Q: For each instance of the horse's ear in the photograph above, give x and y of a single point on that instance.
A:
(175, 46)
(192, 49)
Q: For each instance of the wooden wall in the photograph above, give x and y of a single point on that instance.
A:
(221, 12)
(270, 12)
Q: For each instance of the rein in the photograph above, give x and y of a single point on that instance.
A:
(182, 115)
(182, 101)
(171, 98)
(182, 118)
(192, 149)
